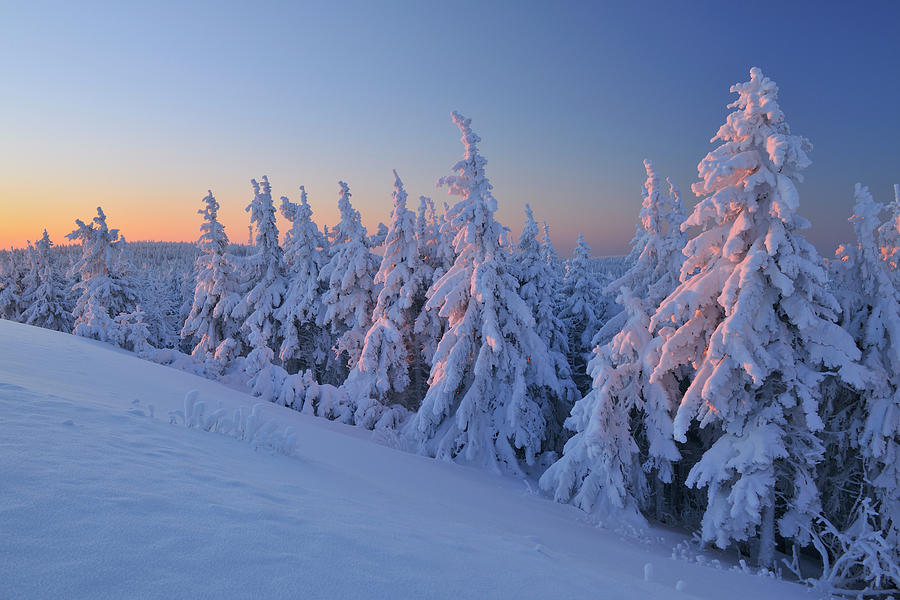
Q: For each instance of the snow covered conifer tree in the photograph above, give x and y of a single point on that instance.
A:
(658, 243)
(390, 358)
(216, 292)
(45, 295)
(436, 252)
(305, 345)
(349, 276)
(602, 463)
(656, 252)
(582, 311)
(481, 405)
(548, 251)
(12, 284)
(106, 291)
(888, 236)
(623, 427)
(865, 450)
(753, 317)
(539, 288)
(268, 285)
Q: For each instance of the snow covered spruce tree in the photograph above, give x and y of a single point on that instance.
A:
(655, 250)
(437, 256)
(601, 469)
(12, 284)
(305, 345)
(862, 434)
(265, 277)
(657, 244)
(582, 311)
(350, 289)
(888, 237)
(45, 292)
(539, 286)
(389, 369)
(482, 404)
(753, 317)
(106, 290)
(216, 294)
(623, 427)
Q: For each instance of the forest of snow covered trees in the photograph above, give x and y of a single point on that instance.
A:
(722, 378)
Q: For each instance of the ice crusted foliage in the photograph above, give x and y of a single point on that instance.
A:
(265, 276)
(349, 279)
(864, 438)
(603, 468)
(216, 293)
(44, 297)
(105, 288)
(389, 369)
(539, 285)
(755, 320)
(584, 306)
(481, 405)
(305, 344)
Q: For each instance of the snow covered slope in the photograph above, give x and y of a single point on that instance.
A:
(99, 499)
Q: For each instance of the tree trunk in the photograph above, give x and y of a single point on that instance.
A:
(766, 555)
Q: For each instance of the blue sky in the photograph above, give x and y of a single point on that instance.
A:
(141, 108)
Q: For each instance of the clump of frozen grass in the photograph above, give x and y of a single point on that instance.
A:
(244, 424)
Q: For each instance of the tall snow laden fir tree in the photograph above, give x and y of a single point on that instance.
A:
(350, 293)
(860, 478)
(216, 294)
(482, 405)
(105, 287)
(583, 310)
(305, 345)
(623, 427)
(389, 369)
(44, 297)
(754, 320)
(264, 275)
(540, 283)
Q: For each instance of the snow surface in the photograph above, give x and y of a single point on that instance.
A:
(99, 499)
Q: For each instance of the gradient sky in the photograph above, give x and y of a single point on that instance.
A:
(140, 107)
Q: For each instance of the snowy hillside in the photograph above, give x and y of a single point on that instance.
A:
(99, 498)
